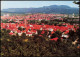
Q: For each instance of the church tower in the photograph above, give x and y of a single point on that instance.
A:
(73, 15)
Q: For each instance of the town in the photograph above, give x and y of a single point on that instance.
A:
(41, 25)
(45, 31)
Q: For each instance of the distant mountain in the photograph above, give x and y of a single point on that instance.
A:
(62, 9)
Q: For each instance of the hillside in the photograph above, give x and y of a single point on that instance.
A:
(62, 9)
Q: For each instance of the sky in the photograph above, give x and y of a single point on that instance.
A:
(35, 4)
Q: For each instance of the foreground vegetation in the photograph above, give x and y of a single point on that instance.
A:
(36, 45)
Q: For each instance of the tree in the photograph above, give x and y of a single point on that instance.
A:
(8, 31)
(19, 28)
(23, 35)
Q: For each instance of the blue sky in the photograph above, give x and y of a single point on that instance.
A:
(29, 4)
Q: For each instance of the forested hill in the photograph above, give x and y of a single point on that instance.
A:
(55, 9)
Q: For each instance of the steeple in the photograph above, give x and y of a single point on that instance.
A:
(73, 15)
